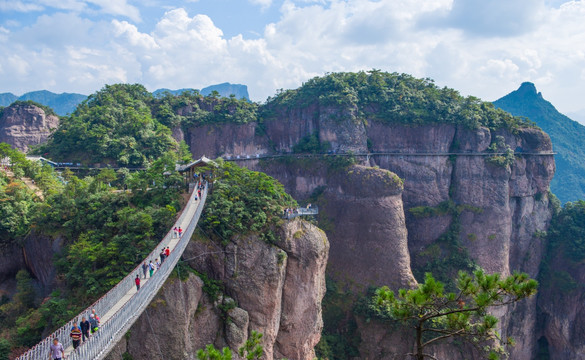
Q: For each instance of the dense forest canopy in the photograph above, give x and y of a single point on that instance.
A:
(191, 108)
(125, 125)
(114, 125)
(395, 98)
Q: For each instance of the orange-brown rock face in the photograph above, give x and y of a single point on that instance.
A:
(374, 235)
(24, 125)
(371, 244)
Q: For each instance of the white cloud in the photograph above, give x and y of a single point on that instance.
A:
(118, 7)
(20, 6)
(110, 7)
(74, 5)
(423, 37)
(4, 33)
(496, 17)
(134, 37)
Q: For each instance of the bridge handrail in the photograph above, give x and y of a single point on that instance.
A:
(103, 304)
(300, 211)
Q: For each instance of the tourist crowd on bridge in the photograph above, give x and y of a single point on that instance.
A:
(81, 333)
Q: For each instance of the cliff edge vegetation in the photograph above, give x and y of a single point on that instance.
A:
(242, 202)
(394, 98)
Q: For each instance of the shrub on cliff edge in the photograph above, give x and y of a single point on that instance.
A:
(243, 201)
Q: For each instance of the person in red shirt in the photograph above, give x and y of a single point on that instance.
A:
(167, 251)
(137, 281)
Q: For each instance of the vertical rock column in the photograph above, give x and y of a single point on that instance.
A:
(364, 208)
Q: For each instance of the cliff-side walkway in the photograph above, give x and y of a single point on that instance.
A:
(122, 305)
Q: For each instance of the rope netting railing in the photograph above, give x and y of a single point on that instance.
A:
(112, 329)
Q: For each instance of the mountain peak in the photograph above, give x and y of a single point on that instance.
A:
(568, 138)
(527, 88)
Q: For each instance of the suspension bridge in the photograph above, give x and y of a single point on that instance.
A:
(120, 307)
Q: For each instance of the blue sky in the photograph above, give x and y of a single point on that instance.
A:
(484, 48)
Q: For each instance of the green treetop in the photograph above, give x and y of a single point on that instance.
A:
(243, 201)
(436, 315)
(114, 125)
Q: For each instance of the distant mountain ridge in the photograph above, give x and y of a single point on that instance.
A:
(224, 89)
(66, 103)
(568, 138)
(62, 104)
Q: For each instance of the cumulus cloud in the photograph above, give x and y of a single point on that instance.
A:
(486, 55)
(133, 36)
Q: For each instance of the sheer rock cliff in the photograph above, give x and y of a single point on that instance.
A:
(23, 125)
(501, 207)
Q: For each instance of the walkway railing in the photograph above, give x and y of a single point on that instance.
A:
(112, 330)
(301, 211)
(246, 157)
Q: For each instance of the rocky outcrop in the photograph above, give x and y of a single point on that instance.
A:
(275, 289)
(371, 246)
(11, 261)
(373, 232)
(227, 140)
(35, 255)
(24, 125)
(561, 302)
(39, 252)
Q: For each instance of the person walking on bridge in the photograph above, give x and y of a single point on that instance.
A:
(137, 281)
(57, 350)
(144, 268)
(84, 325)
(75, 336)
(93, 323)
(95, 315)
(151, 268)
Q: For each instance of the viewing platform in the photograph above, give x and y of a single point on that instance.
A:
(300, 211)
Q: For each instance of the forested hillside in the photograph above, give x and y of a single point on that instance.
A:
(102, 234)
(125, 125)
